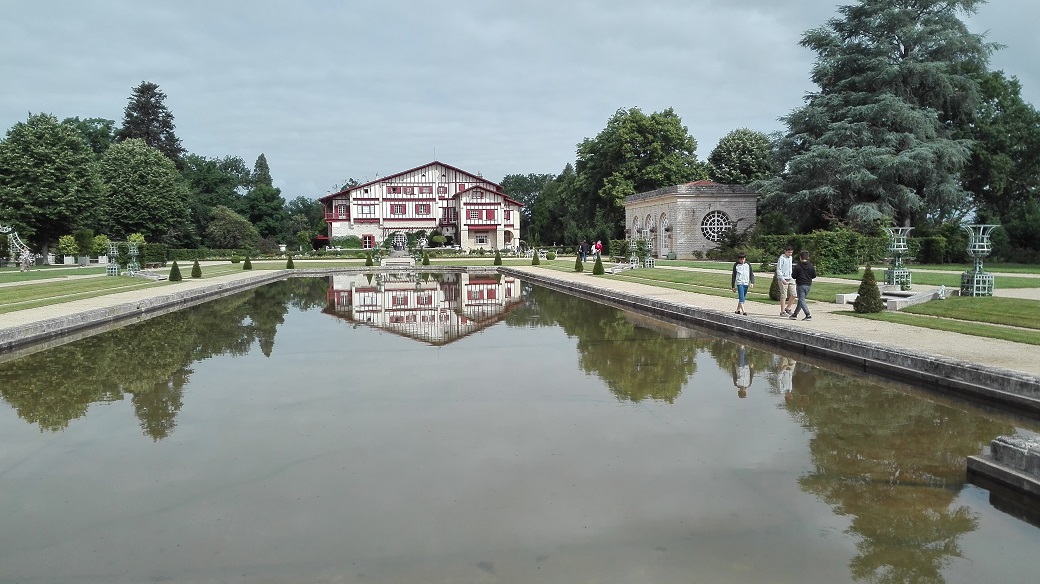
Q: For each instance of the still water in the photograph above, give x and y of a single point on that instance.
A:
(476, 429)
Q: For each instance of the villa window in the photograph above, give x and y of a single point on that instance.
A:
(491, 294)
(482, 239)
(475, 294)
(442, 190)
(425, 190)
(366, 211)
(397, 209)
(424, 299)
(368, 241)
(422, 209)
(473, 214)
(399, 300)
(490, 215)
(341, 211)
(508, 215)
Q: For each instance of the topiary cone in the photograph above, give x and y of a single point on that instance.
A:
(175, 273)
(869, 298)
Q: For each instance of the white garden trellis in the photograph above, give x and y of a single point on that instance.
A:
(19, 249)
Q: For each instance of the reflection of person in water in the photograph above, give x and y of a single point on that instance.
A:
(784, 377)
(742, 372)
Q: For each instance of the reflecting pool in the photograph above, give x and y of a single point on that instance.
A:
(472, 428)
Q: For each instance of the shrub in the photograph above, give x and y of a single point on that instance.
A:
(196, 269)
(550, 256)
(368, 259)
(236, 259)
(289, 264)
(247, 265)
(425, 259)
(774, 288)
(698, 254)
(67, 245)
(175, 273)
(534, 259)
(869, 299)
(498, 258)
(597, 269)
(84, 241)
(101, 245)
(153, 253)
(933, 250)
(578, 266)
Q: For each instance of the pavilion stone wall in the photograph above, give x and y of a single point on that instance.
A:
(685, 207)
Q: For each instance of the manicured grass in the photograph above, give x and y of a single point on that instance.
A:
(927, 278)
(977, 329)
(989, 267)
(1006, 311)
(42, 272)
(27, 296)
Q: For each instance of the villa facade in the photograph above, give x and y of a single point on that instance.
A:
(473, 212)
(688, 218)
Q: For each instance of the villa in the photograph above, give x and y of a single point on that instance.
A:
(470, 211)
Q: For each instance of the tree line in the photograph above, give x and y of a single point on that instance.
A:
(907, 127)
(58, 177)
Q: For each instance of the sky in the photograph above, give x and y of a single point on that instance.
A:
(331, 90)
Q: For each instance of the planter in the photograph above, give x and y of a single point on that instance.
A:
(69, 260)
(83, 260)
(102, 259)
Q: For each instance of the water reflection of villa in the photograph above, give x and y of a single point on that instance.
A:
(434, 308)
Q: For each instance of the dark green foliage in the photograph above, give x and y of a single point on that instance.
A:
(236, 259)
(774, 288)
(84, 241)
(196, 269)
(289, 265)
(534, 259)
(247, 265)
(368, 259)
(147, 118)
(869, 299)
(742, 156)
(153, 253)
(578, 266)
(597, 269)
(175, 273)
(932, 250)
(498, 258)
(426, 258)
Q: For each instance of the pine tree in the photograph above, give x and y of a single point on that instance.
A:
(578, 266)
(597, 268)
(175, 272)
(877, 142)
(146, 117)
(196, 270)
(869, 298)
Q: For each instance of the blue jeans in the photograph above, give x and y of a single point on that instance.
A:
(741, 292)
(803, 291)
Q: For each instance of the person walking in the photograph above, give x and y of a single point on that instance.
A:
(743, 278)
(598, 248)
(803, 273)
(783, 277)
(583, 249)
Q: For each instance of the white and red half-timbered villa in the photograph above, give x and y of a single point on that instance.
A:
(473, 212)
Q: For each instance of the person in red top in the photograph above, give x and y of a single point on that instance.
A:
(598, 248)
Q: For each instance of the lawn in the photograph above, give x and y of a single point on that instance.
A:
(27, 296)
(978, 329)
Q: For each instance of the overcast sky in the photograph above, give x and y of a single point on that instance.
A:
(358, 89)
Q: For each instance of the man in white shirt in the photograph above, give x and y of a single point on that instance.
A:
(788, 296)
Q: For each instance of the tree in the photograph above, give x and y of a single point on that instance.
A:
(229, 230)
(175, 272)
(554, 213)
(196, 269)
(633, 154)
(1003, 174)
(147, 118)
(47, 180)
(214, 182)
(98, 132)
(742, 156)
(875, 143)
(263, 204)
(526, 189)
(146, 194)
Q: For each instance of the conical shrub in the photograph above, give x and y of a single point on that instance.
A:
(869, 298)
(774, 289)
(368, 259)
(597, 269)
(289, 265)
(196, 270)
(248, 265)
(425, 259)
(534, 259)
(498, 258)
(175, 273)
(578, 266)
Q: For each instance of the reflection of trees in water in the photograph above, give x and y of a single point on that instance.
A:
(636, 363)
(894, 463)
(150, 360)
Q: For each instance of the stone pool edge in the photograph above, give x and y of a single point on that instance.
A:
(988, 385)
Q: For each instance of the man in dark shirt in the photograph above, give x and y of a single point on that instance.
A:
(803, 273)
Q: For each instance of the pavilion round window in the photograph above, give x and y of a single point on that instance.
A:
(714, 225)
